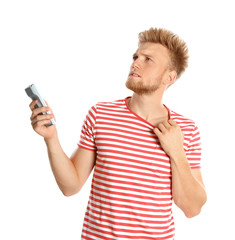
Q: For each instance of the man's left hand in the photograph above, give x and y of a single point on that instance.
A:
(170, 136)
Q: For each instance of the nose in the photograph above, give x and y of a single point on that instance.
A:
(136, 64)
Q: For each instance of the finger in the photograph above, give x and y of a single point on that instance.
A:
(39, 118)
(50, 109)
(166, 124)
(48, 106)
(157, 132)
(172, 122)
(162, 127)
(32, 104)
(37, 111)
(40, 124)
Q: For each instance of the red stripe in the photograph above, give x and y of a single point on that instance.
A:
(157, 157)
(129, 212)
(131, 189)
(143, 197)
(124, 236)
(122, 205)
(131, 201)
(102, 164)
(132, 183)
(129, 160)
(108, 175)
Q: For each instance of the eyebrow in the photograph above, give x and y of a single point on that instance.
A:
(146, 54)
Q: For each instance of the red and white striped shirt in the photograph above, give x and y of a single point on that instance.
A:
(130, 194)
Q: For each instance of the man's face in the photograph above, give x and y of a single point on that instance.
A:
(149, 68)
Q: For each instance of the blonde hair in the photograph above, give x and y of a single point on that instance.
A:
(177, 48)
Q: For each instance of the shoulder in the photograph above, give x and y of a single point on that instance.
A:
(181, 119)
(107, 107)
(111, 105)
(186, 124)
(189, 127)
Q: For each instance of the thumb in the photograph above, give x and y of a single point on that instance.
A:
(48, 105)
(49, 108)
(46, 102)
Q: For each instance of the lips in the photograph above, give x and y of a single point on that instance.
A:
(134, 75)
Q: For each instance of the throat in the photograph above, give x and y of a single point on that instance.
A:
(156, 121)
(154, 117)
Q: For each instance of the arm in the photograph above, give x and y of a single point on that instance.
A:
(188, 190)
(70, 173)
(187, 186)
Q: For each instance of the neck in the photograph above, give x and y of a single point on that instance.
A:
(148, 107)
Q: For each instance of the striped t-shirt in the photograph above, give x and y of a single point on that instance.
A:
(130, 194)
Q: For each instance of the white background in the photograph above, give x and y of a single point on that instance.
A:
(79, 53)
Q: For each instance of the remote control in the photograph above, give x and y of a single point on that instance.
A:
(33, 93)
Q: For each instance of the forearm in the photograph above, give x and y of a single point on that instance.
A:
(188, 193)
(62, 167)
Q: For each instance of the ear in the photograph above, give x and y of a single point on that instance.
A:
(172, 76)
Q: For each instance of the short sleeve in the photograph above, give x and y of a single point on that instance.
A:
(87, 139)
(193, 151)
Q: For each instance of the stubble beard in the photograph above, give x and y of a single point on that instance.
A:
(139, 88)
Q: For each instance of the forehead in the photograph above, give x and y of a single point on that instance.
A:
(153, 49)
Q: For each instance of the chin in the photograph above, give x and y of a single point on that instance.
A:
(139, 88)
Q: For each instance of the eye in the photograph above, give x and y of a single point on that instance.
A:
(148, 59)
(135, 57)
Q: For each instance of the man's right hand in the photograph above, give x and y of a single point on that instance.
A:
(70, 173)
(39, 120)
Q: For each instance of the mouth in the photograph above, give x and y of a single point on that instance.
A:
(134, 75)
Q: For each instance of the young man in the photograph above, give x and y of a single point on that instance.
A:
(145, 155)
